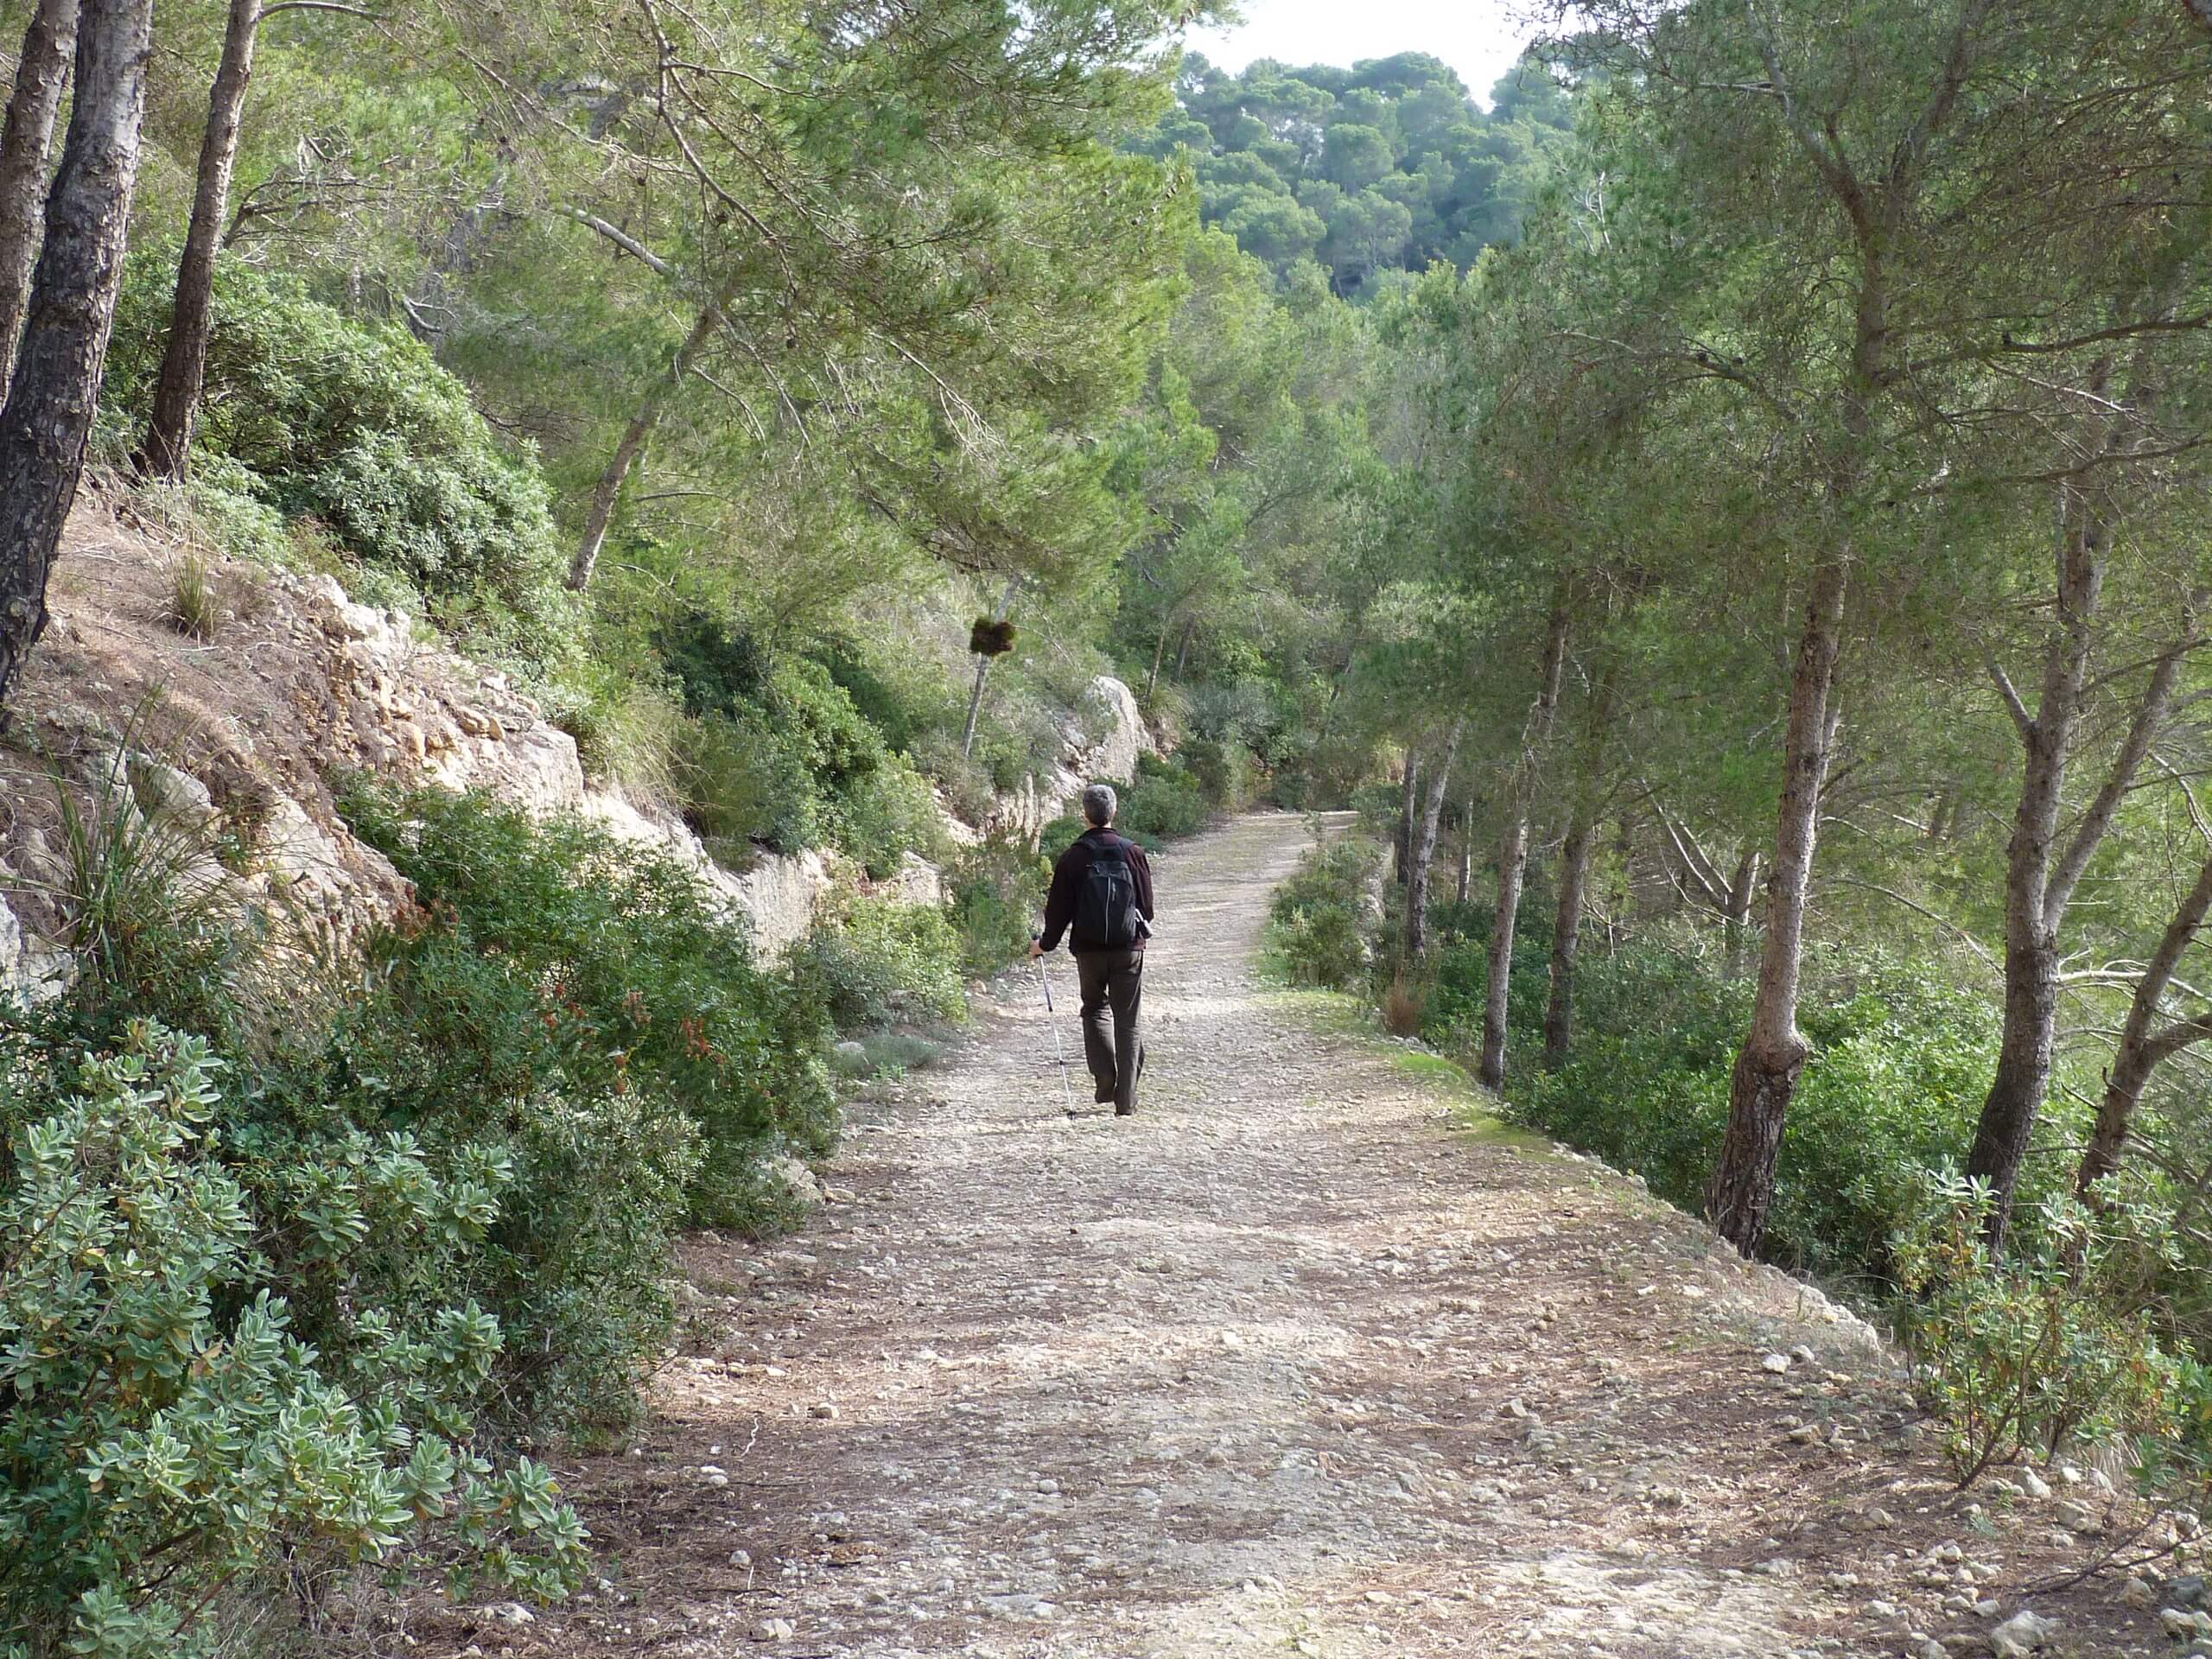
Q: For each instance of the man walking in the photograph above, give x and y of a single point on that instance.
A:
(1102, 900)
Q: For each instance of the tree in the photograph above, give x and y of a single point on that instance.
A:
(55, 385)
(897, 258)
(1424, 845)
(2150, 1037)
(41, 71)
(166, 450)
(1522, 782)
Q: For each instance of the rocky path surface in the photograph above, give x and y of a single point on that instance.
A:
(1303, 1359)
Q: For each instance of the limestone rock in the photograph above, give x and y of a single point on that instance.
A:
(1110, 708)
(2025, 1632)
(794, 1178)
(780, 893)
(30, 971)
(917, 881)
(164, 790)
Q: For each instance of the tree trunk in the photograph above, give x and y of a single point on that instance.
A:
(1574, 873)
(2140, 1048)
(1774, 1050)
(1513, 847)
(1183, 648)
(54, 391)
(2039, 881)
(1159, 655)
(1736, 921)
(2031, 921)
(167, 450)
(975, 706)
(1467, 851)
(1424, 850)
(609, 490)
(1402, 848)
(1566, 929)
(983, 671)
(40, 74)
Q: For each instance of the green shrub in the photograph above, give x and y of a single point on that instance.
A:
(354, 425)
(167, 1429)
(873, 961)
(646, 990)
(718, 670)
(1060, 833)
(743, 784)
(2054, 1344)
(1320, 916)
(1900, 1064)
(1166, 801)
(994, 896)
(908, 698)
(777, 754)
(1453, 1017)
(893, 812)
(1223, 772)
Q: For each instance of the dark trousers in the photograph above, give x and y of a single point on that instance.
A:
(1112, 988)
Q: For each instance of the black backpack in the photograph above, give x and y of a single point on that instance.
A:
(1106, 906)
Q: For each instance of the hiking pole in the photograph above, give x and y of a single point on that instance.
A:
(1052, 1017)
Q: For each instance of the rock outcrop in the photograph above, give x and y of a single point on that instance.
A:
(1101, 742)
(303, 684)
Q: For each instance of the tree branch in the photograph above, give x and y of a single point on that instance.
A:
(2021, 718)
(2150, 713)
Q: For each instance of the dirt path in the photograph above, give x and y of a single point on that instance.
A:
(1293, 1362)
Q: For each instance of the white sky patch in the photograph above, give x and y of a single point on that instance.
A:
(1479, 38)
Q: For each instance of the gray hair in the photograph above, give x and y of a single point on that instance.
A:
(1098, 804)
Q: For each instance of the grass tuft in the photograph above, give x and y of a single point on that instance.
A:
(194, 608)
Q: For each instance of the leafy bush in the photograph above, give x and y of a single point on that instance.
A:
(743, 784)
(2053, 1344)
(1060, 833)
(874, 961)
(1453, 1018)
(1222, 771)
(717, 669)
(646, 989)
(167, 1429)
(1166, 801)
(1320, 914)
(893, 813)
(778, 754)
(1900, 1063)
(995, 895)
(354, 425)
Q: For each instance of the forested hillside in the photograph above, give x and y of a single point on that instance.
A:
(486, 493)
(1390, 165)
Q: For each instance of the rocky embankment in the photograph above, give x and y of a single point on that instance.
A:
(240, 736)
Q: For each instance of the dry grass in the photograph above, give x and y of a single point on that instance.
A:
(1402, 1006)
(194, 605)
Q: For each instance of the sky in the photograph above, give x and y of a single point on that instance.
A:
(1479, 38)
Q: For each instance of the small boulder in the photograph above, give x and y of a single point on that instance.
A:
(2025, 1632)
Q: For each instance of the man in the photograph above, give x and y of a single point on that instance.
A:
(1102, 900)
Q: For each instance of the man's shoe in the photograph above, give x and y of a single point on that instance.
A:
(1125, 1111)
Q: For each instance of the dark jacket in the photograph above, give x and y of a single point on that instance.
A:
(1067, 882)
